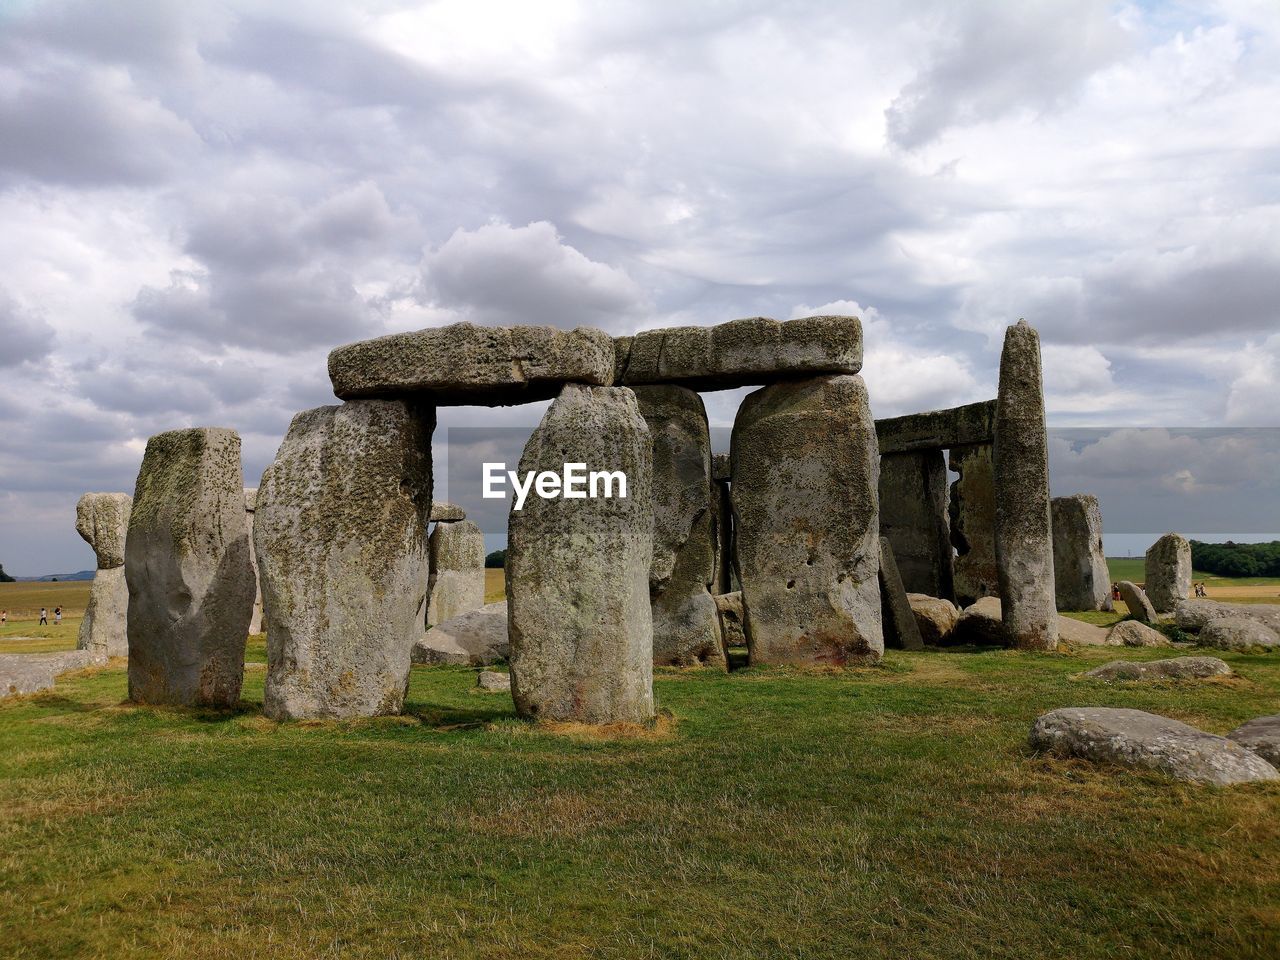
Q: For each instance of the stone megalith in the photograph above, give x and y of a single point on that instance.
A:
(102, 519)
(1080, 576)
(806, 522)
(1024, 538)
(456, 586)
(972, 512)
(250, 505)
(900, 627)
(580, 625)
(913, 518)
(1168, 572)
(340, 534)
(191, 585)
(686, 629)
(1135, 599)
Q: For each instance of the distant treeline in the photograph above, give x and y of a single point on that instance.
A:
(496, 560)
(1237, 559)
(4, 577)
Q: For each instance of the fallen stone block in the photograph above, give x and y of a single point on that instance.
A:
(1134, 633)
(1135, 598)
(1179, 668)
(490, 681)
(1135, 739)
(935, 618)
(1238, 633)
(1260, 735)
(474, 639)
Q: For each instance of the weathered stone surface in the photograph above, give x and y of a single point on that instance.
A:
(466, 364)
(973, 517)
(1080, 575)
(913, 517)
(729, 607)
(1071, 630)
(1134, 633)
(969, 425)
(686, 629)
(721, 467)
(935, 618)
(806, 522)
(446, 513)
(1135, 599)
(474, 639)
(250, 505)
(102, 519)
(1168, 572)
(191, 586)
(980, 624)
(23, 673)
(342, 557)
(1024, 538)
(1238, 633)
(578, 570)
(1261, 735)
(104, 630)
(746, 352)
(490, 681)
(1179, 668)
(1133, 738)
(722, 536)
(899, 622)
(1197, 614)
(457, 571)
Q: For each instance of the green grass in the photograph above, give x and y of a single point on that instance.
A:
(887, 812)
(1135, 569)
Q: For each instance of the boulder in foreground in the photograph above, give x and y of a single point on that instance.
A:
(1134, 633)
(1140, 740)
(1262, 736)
(1178, 668)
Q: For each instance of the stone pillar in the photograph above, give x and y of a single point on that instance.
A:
(1168, 572)
(580, 624)
(973, 517)
(1024, 539)
(340, 534)
(250, 505)
(191, 586)
(900, 627)
(1080, 576)
(722, 513)
(806, 522)
(456, 585)
(913, 517)
(686, 630)
(102, 519)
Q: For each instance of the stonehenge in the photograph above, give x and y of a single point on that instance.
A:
(581, 628)
(1023, 531)
(806, 522)
(1168, 572)
(1081, 579)
(102, 519)
(682, 576)
(456, 561)
(822, 537)
(342, 554)
(1135, 599)
(191, 585)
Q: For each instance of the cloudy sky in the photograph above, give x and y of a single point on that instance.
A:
(199, 200)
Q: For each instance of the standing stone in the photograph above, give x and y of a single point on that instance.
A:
(1024, 538)
(457, 571)
(1168, 572)
(191, 586)
(900, 627)
(806, 522)
(973, 519)
(1080, 576)
(686, 630)
(581, 629)
(250, 505)
(1136, 600)
(913, 517)
(339, 529)
(722, 515)
(102, 519)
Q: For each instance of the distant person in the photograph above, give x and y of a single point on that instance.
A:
(4, 617)
(57, 616)
(44, 617)
(1115, 591)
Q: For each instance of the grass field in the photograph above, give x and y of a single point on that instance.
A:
(886, 812)
(1134, 568)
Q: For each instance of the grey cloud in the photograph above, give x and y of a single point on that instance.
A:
(24, 337)
(999, 56)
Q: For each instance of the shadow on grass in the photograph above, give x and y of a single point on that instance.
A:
(449, 717)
